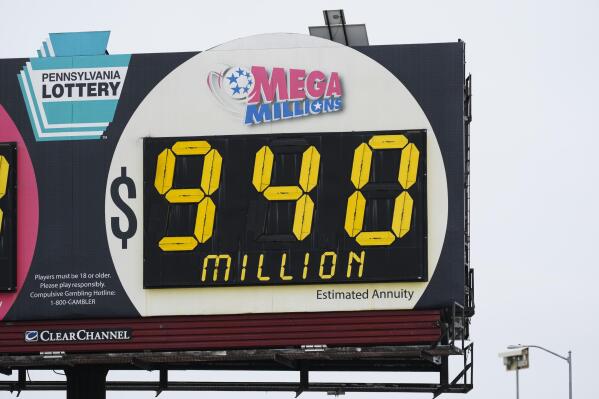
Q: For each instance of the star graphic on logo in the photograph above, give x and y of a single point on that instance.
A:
(317, 106)
(239, 80)
(232, 79)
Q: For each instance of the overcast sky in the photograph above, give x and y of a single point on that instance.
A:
(534, 155)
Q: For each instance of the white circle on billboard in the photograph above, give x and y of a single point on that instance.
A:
(190, 102)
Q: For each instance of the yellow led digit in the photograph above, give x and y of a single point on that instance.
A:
(308, 179)
(302, 220)
(263, 168)
(408, 166)
(283, 193)
(354, 216)
(388, 142)
(165, 171)
(403, 205)
(309, 169)
(4, 168)
(209, 183)
(360, 171)
(402, 214)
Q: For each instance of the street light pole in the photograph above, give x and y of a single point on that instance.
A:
(570, 372)
(517, 384)
(566, 358)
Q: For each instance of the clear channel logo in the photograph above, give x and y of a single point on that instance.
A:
(32, 336)
(81, 335)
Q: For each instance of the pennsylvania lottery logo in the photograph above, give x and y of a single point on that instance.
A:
(263, 96)
(72, 88)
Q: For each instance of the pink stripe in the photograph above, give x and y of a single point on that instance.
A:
(27, 208)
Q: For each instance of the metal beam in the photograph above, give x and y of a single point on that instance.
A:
(285, 361)
(142, 364)
(163, 381)
(125, 360)
(245, 386)
(304, 384)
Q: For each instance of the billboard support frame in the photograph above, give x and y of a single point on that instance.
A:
(86, 381)
(93, 368)
(469, 307)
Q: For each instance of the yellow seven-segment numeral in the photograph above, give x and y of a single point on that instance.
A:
(360, 175)
(263, 168)
(4, 168)
(360, 171)
(308, 179)
(209, 183)
(408, 166)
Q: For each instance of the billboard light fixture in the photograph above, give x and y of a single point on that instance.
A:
(337, 30)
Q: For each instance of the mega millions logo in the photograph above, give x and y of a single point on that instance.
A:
(261, 95)
(72, 88)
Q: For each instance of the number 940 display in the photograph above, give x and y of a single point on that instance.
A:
(264, 205)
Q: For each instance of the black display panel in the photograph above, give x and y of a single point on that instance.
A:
(285, 209)
(8, 219)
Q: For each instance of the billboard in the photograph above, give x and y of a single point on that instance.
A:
(277, 173)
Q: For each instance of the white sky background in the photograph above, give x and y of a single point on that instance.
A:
(534, 153)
